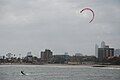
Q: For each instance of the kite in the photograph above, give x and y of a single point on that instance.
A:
(89, 10)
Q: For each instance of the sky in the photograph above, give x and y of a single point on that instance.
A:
(36, 25)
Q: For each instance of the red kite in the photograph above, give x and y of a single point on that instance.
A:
(89, 10)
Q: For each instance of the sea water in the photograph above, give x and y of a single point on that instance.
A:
(58, 72)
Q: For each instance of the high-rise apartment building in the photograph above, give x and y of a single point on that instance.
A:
(46, 55)
(105, 53)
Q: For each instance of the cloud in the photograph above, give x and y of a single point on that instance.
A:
(33, 25)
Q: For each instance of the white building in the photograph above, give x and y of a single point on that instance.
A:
(9, 55)
(117, 52)
(1, 57)
(78, 54)
(96, 50)
(102, 44)
(29, 54)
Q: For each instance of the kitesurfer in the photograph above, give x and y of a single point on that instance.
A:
(23, 72)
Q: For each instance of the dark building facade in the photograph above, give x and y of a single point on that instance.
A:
(46, 55)
(62, 59)
(105, 53)
(28, 58)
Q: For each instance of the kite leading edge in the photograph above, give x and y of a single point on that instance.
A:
(89, 10)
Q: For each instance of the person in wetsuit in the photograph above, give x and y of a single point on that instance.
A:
(23, 73)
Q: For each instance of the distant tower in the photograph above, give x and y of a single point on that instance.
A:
(96, 50)
(102, 44)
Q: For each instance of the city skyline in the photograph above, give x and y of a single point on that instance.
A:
(57, 25)
(103, 45)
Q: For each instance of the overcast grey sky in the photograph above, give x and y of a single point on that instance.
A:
(34, 25)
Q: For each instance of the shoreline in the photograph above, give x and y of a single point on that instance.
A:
(63, 65)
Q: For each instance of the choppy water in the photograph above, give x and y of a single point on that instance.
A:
(56, 72)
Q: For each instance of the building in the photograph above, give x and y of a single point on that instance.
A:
(78, 54)
(29, 58)
(29, 53)
(9, 56)
(1, 57)
(102, 44)
(60, 59)
(117, 52)
(46, 55)
(96, 50)
(105, 53)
